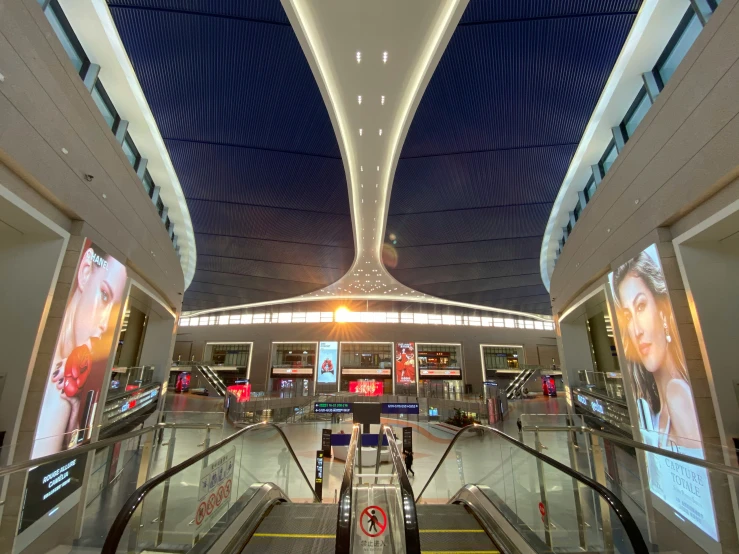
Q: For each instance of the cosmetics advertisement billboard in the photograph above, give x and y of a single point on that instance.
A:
(82, 352)
(405, 362)
(328, 362)
(659, 380)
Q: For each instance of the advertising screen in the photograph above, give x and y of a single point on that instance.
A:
(241, 392)
(367, 388)
(400, 408)
(440, 372)
(365, 371)
(664, 397)
(81, 354)
(405, 362)
(297, 370)
(328, 362)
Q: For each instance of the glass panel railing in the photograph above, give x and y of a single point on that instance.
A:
(180, 506)
(88, 484)
(690, 496)
(549, 504)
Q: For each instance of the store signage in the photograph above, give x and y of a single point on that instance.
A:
(292, 371)
(582, 400)
(216, 481)
(332, 408)
(442, 372)
(367, 388)
(47, 486)
(241, 392)
(366, 371)
(596, 406)
(403, 408)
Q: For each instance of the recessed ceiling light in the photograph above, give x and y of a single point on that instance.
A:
(384, 57)
(380, 132)
(382, 100)
(378, 168)
(360, 132)
(359, 57)
(359, 99)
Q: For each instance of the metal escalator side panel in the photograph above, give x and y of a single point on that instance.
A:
(345, 517)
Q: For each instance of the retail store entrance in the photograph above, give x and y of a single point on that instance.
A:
(441, 388)
(440, 370)
(293, 368)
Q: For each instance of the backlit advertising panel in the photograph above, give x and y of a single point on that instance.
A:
(82, 351)
(367, 388)
(328, 356)
(658, 375)
(405, 362)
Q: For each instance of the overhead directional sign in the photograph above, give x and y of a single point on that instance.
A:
(332, 407)
(400, 408)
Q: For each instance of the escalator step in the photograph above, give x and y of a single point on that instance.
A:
(451, 528)
(296, 529)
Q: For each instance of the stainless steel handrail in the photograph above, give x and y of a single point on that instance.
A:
(627, 521)
(344, 529)
(721, 468)
(110, 546)
(410, 517)
(7, 470)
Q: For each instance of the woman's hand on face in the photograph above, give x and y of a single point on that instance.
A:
(683, 418)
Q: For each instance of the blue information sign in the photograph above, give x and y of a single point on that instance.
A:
(400, 408)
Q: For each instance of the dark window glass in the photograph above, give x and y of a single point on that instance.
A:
(578, 210)
(569, 227)
(167, 224)
(130, 150)
(104, 105)
(681, 41)
(636, 113)
(66, 36)
(148, 183)
(609, 156)
(590, 188)
(160, 206)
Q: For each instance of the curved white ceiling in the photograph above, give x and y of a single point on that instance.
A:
(372, 62)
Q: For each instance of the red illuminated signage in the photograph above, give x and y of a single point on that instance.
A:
(366, 388)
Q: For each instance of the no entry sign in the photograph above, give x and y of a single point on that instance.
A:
(373, 521)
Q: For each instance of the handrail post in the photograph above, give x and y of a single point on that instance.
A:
(542, 490)
(379, 450)
(165, 493)
(600, 477)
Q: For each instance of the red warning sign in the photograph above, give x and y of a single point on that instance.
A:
(373, 521)
(228, 488)
(200, 515)
(220, 495)
(542, 509)
(211, 504)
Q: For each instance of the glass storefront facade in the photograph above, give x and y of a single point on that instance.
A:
(440, 370)
(500, 358)
(366, 367)
(292, 368)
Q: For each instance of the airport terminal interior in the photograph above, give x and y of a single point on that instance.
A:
(369, 276)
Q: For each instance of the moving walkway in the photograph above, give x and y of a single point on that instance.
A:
(488, 493)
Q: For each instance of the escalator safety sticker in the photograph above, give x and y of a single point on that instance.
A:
(373, 521)
(214, 491)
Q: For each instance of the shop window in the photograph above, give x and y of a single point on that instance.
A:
(439, 360)
(293, 358)
(500, 357)
(609, 156)
(578, 210)
(366, 356)
(681, 41)
(229, 354)
(636, 113)
(102, 101)
(66, 36)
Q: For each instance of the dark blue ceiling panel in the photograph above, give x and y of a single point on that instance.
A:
(252, 143)
(491, 142)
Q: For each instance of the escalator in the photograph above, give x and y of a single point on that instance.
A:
(488, 493)
(515, 387)
(215, 385)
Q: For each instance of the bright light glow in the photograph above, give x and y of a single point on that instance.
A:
(342, 314)
(380, 132)
(382, 100)
(384, 57)
(359, 57)
(359, 99)
(360, 132)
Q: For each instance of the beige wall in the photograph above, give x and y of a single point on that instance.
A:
(44, 108)
(263, 335)
(683, 152)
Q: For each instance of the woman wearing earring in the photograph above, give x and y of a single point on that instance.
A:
(656, 360)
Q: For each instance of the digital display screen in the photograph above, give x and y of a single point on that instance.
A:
(328, 364)
(48, 485)
(441, 372)
(332, 407)
(657, 371)
(367, 388)
(405, 362)
(83, 347)
(292, 371)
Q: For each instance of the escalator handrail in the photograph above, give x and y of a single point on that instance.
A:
(344, 519)
(410, 517)
(627, 521)
(124, 515)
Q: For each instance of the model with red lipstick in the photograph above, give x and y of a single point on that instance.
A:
(92, 309)
(656, 359)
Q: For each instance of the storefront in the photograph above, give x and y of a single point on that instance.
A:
(440, 370)
(503, 358)
(292, 368)
(366, 367)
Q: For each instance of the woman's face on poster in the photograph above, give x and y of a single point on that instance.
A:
(644, 322)
(102, 290)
